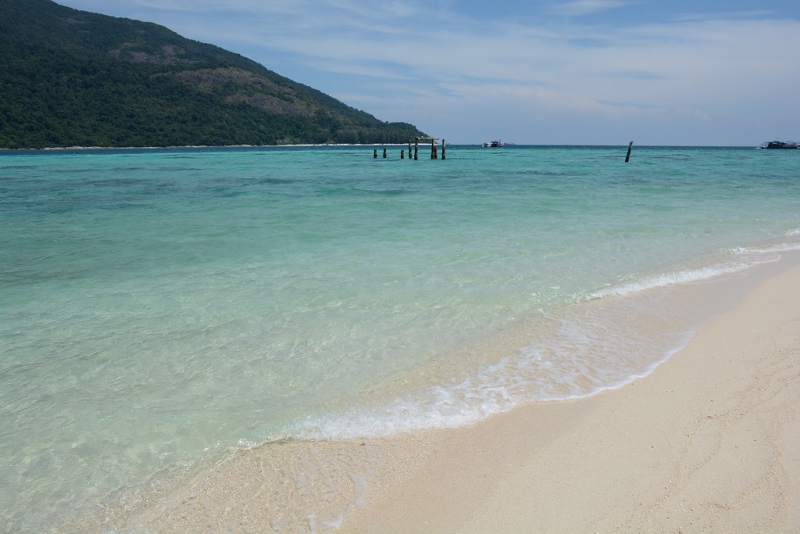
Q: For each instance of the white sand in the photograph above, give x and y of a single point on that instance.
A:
(709, 442)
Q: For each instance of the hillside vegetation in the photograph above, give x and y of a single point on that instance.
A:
(73, 78)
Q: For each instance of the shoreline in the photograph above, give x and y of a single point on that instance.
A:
(706, 442)
(471, 145)
(62, 148)
(702, 443)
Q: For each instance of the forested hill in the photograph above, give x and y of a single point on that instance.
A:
(73, 78)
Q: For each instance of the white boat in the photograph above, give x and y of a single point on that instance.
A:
(775, 144)
(493, 144)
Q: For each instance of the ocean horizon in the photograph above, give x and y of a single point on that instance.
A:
(162, 307)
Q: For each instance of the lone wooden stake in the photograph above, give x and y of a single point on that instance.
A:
(628, 157)
(384, 153)
(443, 147)
(375, 153)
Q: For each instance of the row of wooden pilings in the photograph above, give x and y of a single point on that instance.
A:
(434, 150)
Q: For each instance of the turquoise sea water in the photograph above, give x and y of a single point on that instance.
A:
(158, 307)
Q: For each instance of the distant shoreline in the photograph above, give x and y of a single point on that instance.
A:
(323, 145)
(58, 148)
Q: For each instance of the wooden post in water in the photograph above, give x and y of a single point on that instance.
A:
(402, 154)
(416, 149)
(433, 148)
(628, 157)
(443, 148)
(384, 153)
(409, 149)
(375, 153)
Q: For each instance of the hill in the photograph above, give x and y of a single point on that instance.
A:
(74, 78)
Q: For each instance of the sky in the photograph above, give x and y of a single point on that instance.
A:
(597, 72)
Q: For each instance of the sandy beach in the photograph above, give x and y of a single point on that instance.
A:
(706, 443)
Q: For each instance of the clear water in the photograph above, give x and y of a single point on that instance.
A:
(160, 306)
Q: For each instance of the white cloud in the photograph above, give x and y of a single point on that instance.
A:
(578, 8)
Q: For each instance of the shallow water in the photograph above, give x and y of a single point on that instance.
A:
(158, 307)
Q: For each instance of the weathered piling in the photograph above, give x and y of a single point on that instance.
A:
(384, 153)
(415, 154)
(628, 156)
(375, 153)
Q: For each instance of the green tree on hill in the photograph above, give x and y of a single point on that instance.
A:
(74, 78)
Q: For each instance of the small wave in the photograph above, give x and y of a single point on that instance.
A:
(689, 275)
(783, 247)
(439, 407)
(580, 358)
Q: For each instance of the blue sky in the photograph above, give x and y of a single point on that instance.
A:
(700, 72)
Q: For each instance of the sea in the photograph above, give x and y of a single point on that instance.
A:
(162, 308)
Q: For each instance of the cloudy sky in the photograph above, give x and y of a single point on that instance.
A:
(675, 72)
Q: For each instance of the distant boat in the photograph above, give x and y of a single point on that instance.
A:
(493, 144)
(778, 144)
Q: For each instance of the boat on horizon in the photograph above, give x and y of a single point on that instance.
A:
(777, 144)
(493, 144)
